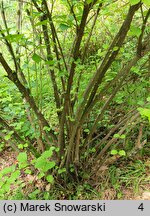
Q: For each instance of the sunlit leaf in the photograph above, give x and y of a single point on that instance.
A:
(135, 31)
(133, 2)
(114, 152)
(36, 58)
(50, 178)
(146, 2)
(122, 153)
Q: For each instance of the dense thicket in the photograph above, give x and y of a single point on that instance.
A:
(74, 82)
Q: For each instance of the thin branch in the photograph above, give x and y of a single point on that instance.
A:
(26, 94)
(90, 33)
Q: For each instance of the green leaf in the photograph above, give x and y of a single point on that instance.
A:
(122, 153)
(89, 1)
(48, 166)
(14, 37)
(14, 176)
(20, 146)
(148, 99)
(123, 136)
(26, 145)
(134, 31)
(41, 175)
(44, 165)
(34, 194)
(115, 48)
(71, 119)
(114, 152)
(44, 22)
(22, 157)
(145, 112)
(46, 128)
(36, 58)
(140, 102)
(7, 170)
(116, 136)
(57, 149)
(133, 2)
(61, 170)
(51, 62)
(86, 130)
(50, 179)
(7, 137)
(28, 171)
(146, 2)
(64, 26)
(92, 150)
(40, 164)
(48, 153)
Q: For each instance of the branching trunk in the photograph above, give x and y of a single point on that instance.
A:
(93, 85)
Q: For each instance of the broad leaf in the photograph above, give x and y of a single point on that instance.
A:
(135, 31)
(22, 157)
(50, 178)
(134, 2)
(64, 26)
(122, 153)
(146, 2)
(145, 112)
(36, 58)
(114, 152)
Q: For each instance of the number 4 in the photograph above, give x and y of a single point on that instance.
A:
(141, 207)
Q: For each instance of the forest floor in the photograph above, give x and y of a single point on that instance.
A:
(142, 191)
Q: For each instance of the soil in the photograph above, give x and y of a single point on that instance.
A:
(9, 158)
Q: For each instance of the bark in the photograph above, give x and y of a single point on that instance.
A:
(92, 87)
(75, 56)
